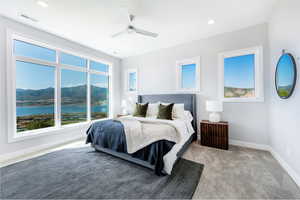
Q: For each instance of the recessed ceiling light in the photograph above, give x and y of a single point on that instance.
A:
(42, 4)
(211, 21)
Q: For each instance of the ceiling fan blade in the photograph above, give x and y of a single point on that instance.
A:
(119, 33)
(146, 33)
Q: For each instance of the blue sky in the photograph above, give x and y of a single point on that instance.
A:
(99, 80)
(99, 66)
(239, 71)
(72, 60)
(33, 76)
(286, 71)
(188, 76)
(71, 78)
(32, 51)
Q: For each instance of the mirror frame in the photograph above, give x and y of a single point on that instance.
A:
(295, 75)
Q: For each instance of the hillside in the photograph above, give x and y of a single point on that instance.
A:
(231, 92)
(70, 95)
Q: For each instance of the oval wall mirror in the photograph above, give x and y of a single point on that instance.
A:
(286, 75)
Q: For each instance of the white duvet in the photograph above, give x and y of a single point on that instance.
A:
(141, 132)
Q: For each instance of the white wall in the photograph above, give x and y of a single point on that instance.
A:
(44, 141)
(248, 121)
(284, 33)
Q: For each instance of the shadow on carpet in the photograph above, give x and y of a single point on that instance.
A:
(85, 174)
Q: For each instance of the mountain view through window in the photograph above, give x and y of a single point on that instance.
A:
(36, 87)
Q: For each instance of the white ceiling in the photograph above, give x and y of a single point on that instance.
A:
(92, 22)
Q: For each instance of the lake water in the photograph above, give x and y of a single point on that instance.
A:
(38, 110)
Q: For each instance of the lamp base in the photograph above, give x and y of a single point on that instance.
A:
(124, 111)
(214, 117)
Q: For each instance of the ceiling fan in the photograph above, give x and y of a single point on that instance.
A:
(131, 29)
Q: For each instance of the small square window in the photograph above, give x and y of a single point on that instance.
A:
(132, 80)
(188, 74)
(241, 75)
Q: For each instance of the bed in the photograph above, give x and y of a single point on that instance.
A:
(156, 156)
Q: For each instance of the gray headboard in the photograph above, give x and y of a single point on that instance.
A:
(189, 101)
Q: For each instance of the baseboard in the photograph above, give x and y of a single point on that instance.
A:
(28, 151)
(293, 174)
(276, 155)
(250, 145)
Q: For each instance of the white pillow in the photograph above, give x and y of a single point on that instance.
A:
(178, 110)
(152, 110)
(188, 116)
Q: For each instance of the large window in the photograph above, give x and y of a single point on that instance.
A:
(241, 75)
(188, 74)
(53, 88)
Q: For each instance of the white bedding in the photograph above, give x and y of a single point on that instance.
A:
(141, 132)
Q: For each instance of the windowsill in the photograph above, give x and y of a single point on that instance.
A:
(195, 91)
(131, 92)
(50, 131)
(243, 100)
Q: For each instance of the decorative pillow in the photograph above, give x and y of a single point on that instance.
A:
(140, 110)
(152, 110)
(178, 110)
(165, 111)
(188, 116)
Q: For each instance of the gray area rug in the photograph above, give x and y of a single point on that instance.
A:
(85, 174)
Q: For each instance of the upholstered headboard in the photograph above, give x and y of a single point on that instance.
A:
(189, 101)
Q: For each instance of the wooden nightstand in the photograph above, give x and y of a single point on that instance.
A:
(214, 134)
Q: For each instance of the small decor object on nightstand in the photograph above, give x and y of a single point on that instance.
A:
(215, 107)
(214, 134)
(121, 115)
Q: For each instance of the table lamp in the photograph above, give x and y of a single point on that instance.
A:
(215, 107)
(124, 107)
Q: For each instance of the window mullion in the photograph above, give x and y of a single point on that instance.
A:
(88, 92)
(58, 92)
(34, 61)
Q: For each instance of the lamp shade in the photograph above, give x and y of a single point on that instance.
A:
(214, 106)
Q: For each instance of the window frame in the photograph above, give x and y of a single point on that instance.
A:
(13, 135)
(179, 64)
(127, 84)
(258, 74)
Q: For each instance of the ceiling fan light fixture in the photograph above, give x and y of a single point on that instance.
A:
(131, 29)
(211, 22)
